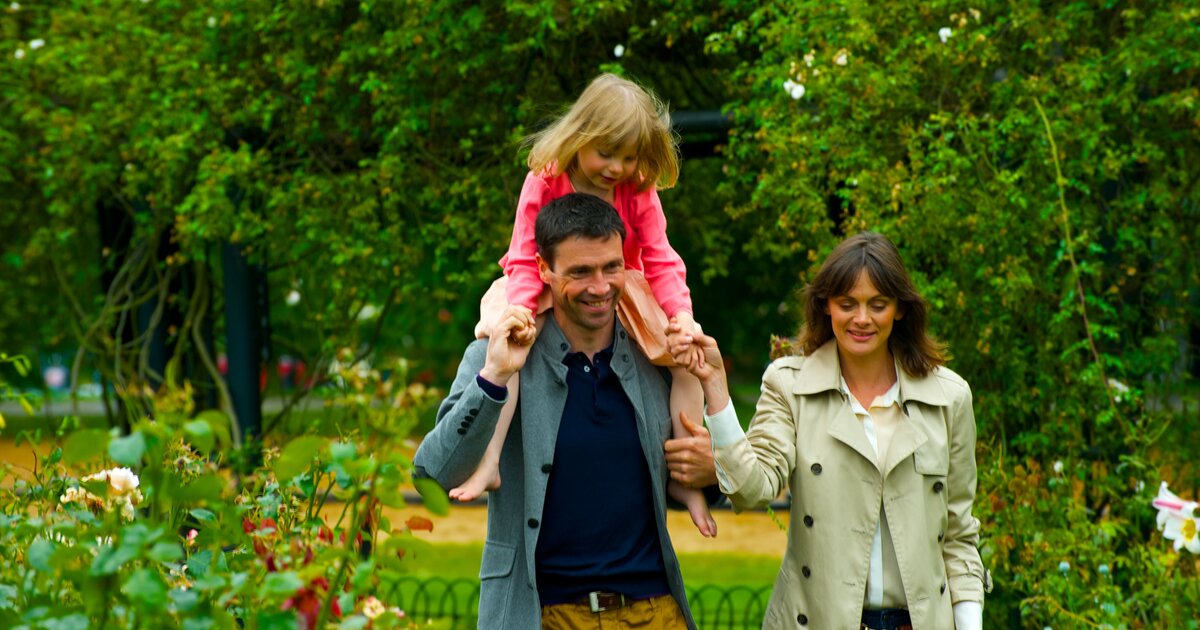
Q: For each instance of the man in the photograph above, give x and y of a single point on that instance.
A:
(577, 531)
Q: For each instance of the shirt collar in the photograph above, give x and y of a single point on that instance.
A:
(822, 372)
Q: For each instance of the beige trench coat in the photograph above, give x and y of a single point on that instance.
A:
(805, 435)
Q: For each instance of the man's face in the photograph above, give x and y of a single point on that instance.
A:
(585, 282)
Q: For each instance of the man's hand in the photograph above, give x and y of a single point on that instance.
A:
(508, 345)
(690, 459)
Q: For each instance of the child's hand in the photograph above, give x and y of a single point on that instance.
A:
(527, 332)
(680, 334)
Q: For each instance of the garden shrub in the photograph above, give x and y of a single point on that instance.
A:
(161, 534)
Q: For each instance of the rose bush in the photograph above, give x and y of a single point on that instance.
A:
(165, 535)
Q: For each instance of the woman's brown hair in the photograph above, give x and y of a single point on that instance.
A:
(918, 352)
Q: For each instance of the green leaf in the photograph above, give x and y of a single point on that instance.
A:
(128, 450)
(84, 445)
(282, 620)
(218, 421)
(145, 587)
(203, 488)
(165, 552)
(39, 554)
(283, 583)
(342, 451)
(200, 434)
(185, 600)
(297, 457)
(202, 515)
(433, 495)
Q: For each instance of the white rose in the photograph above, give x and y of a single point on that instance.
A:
(945, 33)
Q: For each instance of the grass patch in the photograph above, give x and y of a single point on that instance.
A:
(461, 560)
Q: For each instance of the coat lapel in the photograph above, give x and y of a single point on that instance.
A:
(541, 414)
(821, 374)
(624, 365)
(907, 438)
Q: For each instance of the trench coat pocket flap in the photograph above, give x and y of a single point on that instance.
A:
(931, 460)
(497, 560)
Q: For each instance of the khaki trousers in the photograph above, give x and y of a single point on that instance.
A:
(655, 613)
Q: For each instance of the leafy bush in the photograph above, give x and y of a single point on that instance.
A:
(171, 538)
(1037, 165)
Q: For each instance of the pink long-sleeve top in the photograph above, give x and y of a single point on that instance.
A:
(646, 247)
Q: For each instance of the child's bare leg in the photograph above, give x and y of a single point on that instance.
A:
(688, 396)
(487, 475)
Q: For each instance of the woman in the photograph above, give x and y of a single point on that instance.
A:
(875, 440)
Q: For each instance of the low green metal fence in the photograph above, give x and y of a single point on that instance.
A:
(454, 604)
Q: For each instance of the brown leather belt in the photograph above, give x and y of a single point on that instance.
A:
(600, 601)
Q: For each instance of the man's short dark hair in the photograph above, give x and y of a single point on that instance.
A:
(574, 214)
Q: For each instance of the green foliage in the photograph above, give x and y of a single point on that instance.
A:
(170, 543)
(1037, 165)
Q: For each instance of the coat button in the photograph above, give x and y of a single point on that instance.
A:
(462, 431)
(622, 334)
(533, 523)
(563, 346)
(808, 520)
(806, 571)
(937, 486)
(941, 536)
(802, 619)
(625, 358)
(472, 412)
(943, 591)
(816, 469)
(465, 424)
(546, 468)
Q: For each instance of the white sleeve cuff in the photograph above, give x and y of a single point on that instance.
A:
(968, 616)
(723, 427)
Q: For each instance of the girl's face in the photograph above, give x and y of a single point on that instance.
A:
(862, 320)
(600, 168)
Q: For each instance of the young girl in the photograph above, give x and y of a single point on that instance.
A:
(615, 142)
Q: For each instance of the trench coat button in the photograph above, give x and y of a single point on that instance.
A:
(546, 468)
(802, 619)
(816, 469)
(465, 424)
(943, 591)
(941, 536)
(806, 571)
(937, 486)
(462, 431)
(533, 523)
(808, 520)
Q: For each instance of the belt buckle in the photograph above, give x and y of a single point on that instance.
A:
(597, 607)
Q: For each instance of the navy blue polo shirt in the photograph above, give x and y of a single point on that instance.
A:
(598, 530)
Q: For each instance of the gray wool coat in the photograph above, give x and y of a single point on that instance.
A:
(466, 419)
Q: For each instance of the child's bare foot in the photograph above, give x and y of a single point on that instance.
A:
(484, 479)
(701, 517)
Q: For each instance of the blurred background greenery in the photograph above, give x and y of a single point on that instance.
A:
(1036, 162)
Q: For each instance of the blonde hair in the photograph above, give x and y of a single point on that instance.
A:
(611, 111)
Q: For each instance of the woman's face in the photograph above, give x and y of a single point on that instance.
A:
(862, 320)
